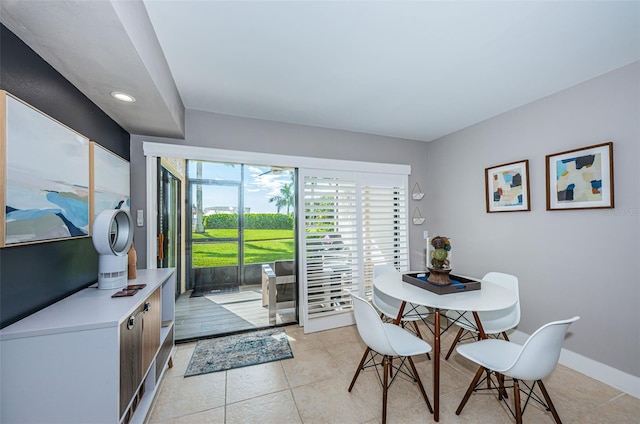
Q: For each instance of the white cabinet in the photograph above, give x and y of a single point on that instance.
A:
(72, 362)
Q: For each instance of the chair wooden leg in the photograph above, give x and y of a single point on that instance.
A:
(505, 335)
(455, 342)
(415, 325)
(385, 386)
(516, 402)
(417, 378)
(547, 399)
(472, 386)
(502, 392)
(364, 358)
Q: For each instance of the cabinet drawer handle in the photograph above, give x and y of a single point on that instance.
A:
(131, 322)
(132, 319)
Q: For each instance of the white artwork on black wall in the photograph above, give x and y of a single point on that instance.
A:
(46, 176)
(110, 181)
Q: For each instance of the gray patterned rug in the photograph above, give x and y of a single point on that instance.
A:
(239, 350)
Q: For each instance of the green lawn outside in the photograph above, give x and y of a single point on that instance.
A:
(260, 246)
(249, 235)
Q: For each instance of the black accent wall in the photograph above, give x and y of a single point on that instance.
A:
(35, 276)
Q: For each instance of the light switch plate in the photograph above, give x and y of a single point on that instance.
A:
(140, 217)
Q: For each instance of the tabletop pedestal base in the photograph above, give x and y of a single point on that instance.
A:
(439, 276)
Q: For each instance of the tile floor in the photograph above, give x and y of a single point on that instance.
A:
(312, 388)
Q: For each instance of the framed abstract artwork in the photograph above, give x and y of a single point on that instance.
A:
(581, 178)
(507, 187)
(44, 178)
(110, 176)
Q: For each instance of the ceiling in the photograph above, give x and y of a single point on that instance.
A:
(416, 69)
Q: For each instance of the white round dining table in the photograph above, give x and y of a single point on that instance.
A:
(490, 297)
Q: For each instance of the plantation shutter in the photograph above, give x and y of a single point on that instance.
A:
(384, 230)
(351, 221)
(331, 249)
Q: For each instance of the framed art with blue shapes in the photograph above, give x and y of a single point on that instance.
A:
(507, 187)
(581, 178)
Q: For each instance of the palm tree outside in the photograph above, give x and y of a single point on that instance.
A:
(284, 199)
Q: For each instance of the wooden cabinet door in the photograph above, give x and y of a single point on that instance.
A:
(130, 358)
(151, 321)
(139, 342)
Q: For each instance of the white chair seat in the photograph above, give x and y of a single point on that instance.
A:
(495, 354)
(533, 361)
(493, 322)
(404, 343)
(389, 341)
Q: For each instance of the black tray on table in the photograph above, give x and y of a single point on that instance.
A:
(458, 283)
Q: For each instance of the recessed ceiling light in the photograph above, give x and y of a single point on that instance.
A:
(124, 97)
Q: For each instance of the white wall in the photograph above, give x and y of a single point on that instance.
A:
(581, 262)
(254, 135)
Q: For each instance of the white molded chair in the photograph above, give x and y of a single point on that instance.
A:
(533, 361)
(389, 341)
(493, 322)
(390, 306)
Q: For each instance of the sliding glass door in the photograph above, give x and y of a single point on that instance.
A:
(241, 239)
(215, 199)
(169, 218)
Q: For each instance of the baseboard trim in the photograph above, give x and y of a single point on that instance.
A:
(606, 374)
